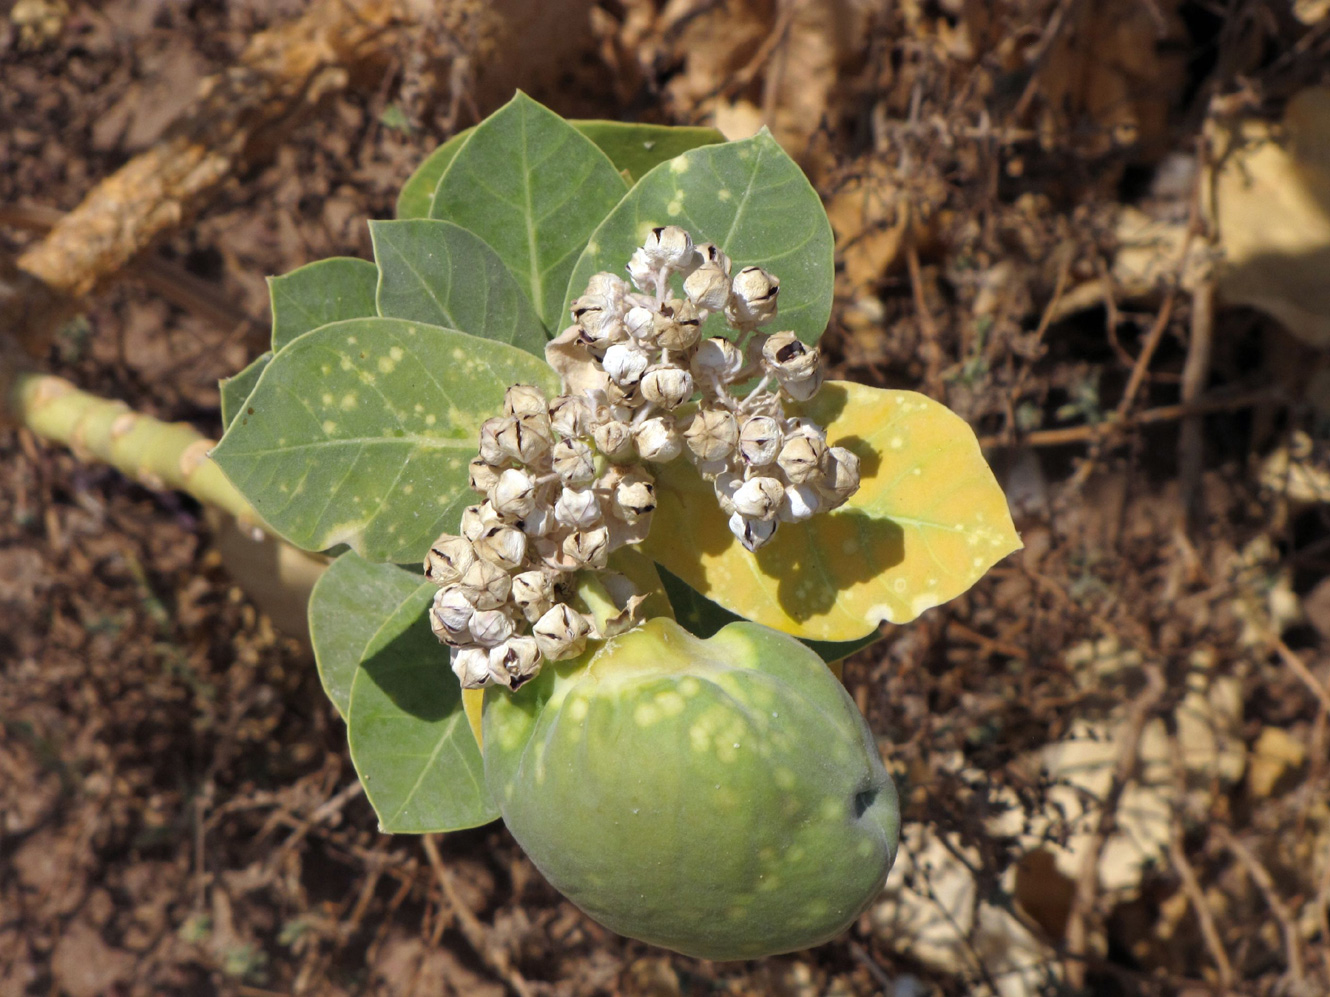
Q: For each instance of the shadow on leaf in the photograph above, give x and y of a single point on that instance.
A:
(412, 670)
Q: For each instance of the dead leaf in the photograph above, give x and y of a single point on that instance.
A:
(1275, 755)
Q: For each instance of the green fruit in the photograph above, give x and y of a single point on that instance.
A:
(723, 797)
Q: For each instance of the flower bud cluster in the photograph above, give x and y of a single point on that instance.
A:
(564, 479)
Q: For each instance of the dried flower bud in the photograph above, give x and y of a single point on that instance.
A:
(452, 608)
(561, 633)
(525, 438)
(476, 519)
(640, 325)
(669, 248)
(491, 452)
(514, 494)
(574, 462)
(539, 522)
(678, 325)
(760, 440)
(840, 475)
(807, 428)
(517, 658)
(471, 665)
(801, 458)
(448, 559)
(578, 509)
(634, 496)
(504, 546)
(709, 254)
(800, 502)
(625, 363)
(641, 271)
(803, 389)
(712, 434)
(588, 548)
(759, 498)
(752, 298)
(599, 325)
(570, 415)
(752, 533)
(606, 291)
(524, 399)
(717, 357)
(490, 626)
(481, 476)
(657, 440)
(486, 585)
(726, 484)
(708, 286)
(668, 387)
(533, 593)
(785, 356)
(614, 438)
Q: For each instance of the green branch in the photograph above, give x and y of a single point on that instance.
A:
(159, 455)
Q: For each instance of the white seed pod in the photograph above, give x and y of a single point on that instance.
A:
(599, 325)
(518, 659)
(504, 546)
(524, 399)
(525, 438)
(677, 325)
(840, 476)
(625, 363)
(657, 439)
(807, 428)
(452, 609)
(476, 519)
(726, 484)
(605, 291)
(574, 462)
(801, 458)
(787, 358)
(578, 509)
(708, 287)
(634, 496)
(490, 626)
(799, 503)
(514, 494)
(561, 632)
(717, 358)
(708, 253)
(481, 476)
(752, 298)
(759, 498)
(667, 386)
(614, 438)
(752, 533)
(588, 548)
(448, 559)
(641, 271)
(487, 586)
(471, 665)
(669, 248)
(533, 593)
(760, 440)
(639, 323)
(540, 522)
(712, 434)
(803, 389)
(570, 415)
(491, 452)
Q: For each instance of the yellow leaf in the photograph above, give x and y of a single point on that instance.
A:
(928, 520)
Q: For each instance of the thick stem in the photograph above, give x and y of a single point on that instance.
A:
(159, 455)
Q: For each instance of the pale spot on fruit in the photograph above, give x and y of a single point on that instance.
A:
(923, 602)
(865, 848)
(726, 750)
(785, 778)
(577, 709)
(882, 611)
(326, 369)
(689, 687)
(326, 398)
(431, 419)
(699, 738)
(645, 715)
(670, 703)
(832, 807)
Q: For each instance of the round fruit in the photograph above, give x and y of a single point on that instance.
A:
(722, 797)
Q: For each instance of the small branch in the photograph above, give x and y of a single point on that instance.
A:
(1265, 883)
(159, 455)
(931, 346)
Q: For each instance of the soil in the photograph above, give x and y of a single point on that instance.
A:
(178, 813)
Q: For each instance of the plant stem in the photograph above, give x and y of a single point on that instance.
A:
(159, 455)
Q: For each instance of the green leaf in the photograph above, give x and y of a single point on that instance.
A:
(330, 290)
(417, 194)
(749, 198)
(362, 432)
(410, 741)
(437, 272)
(235, 390)
(702, 618)
(636, 149)
(347, 609)
(534, 188)
(927, 521)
